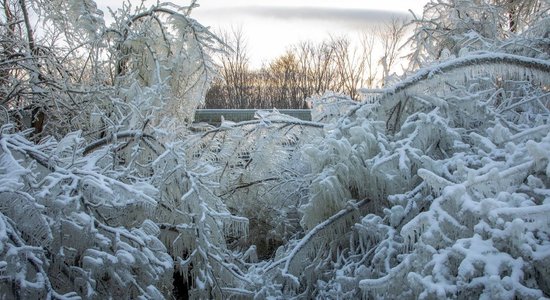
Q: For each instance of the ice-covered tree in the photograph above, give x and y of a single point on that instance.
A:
(77, 63)
(117, 211)
(452, 28)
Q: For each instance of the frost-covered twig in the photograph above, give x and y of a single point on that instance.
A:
(257, 122)
(113, 137)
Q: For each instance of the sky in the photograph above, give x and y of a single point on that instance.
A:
(271, 26)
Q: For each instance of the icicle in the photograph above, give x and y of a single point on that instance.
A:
(179, 242)
(234, 226)
(435, 182)
(412, 231)
(150, 227)
(379, 285)
(28, 216)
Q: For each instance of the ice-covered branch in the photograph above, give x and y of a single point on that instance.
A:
(292, 266)
(119, 135)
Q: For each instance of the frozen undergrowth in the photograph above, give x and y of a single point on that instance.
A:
(459, 195)
(453, 202)
(438, 188)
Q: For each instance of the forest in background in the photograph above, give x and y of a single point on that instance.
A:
(439, 188)
(307, 69)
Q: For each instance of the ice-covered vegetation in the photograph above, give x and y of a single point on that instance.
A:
(439, 188)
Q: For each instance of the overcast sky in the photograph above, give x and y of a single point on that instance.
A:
(270, 26)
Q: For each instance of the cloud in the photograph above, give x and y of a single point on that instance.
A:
(349, 17)
(310, 14)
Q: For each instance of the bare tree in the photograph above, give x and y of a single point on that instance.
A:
(304, 70)
(284, 80)
(391, 36)
(316, 65)
(368, 43)
(350, 66)
(235, 68)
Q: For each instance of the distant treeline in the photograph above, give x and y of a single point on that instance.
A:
(305, 69)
